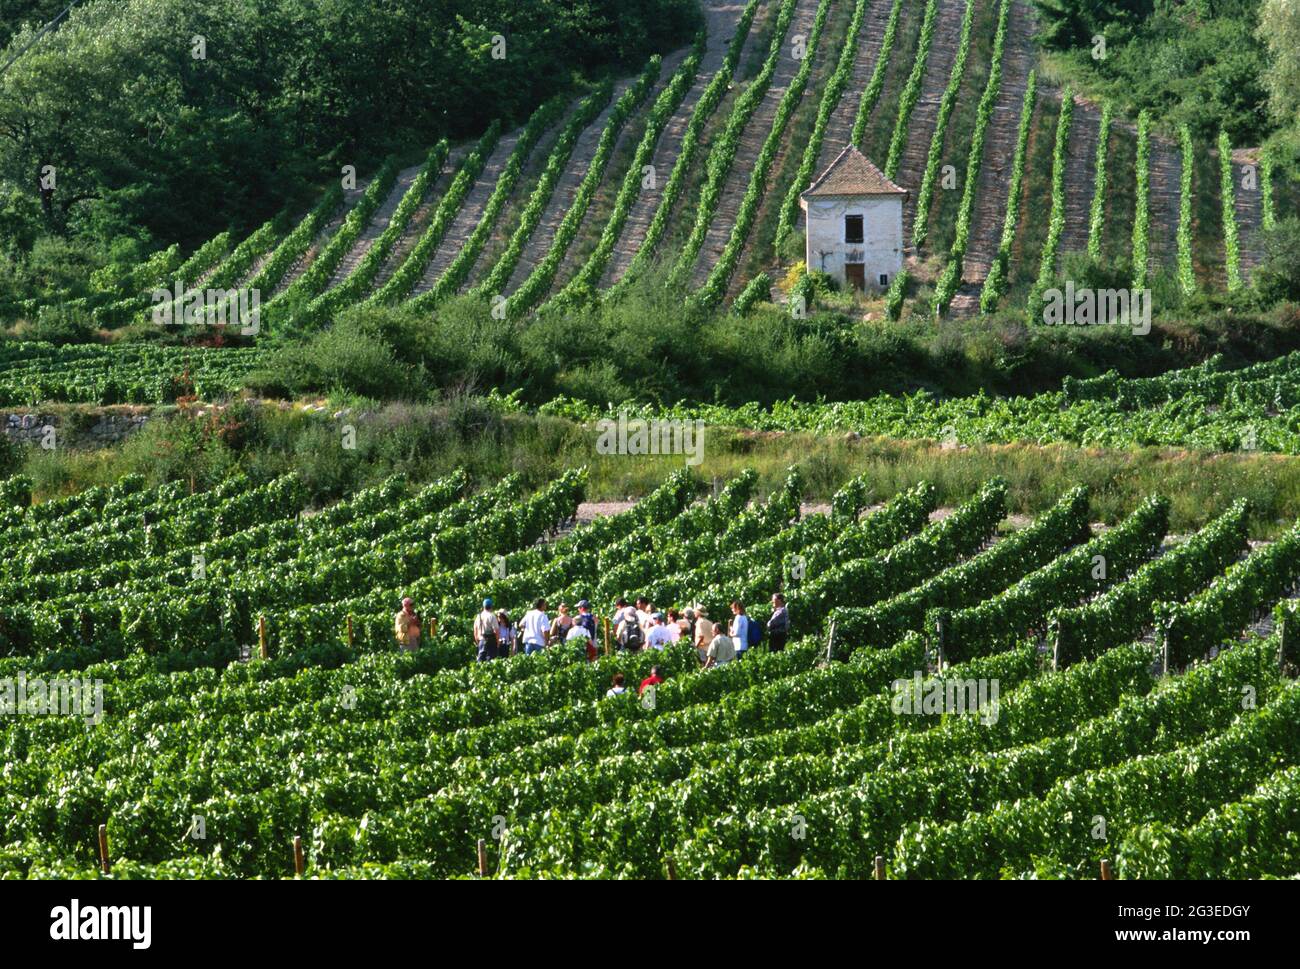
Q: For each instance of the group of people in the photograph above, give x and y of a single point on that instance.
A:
(495, 636)
(640, 626)
(636, 626)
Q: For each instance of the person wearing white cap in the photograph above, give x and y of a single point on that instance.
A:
(703, 631)
(658, 637)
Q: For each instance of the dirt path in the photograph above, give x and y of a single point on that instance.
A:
(420, 218)
(722, 16)
(920, 128)
(1248, 204)
(378, 223)
(322, 239)
(1080, 174)
(471, 211)
(611, 183)
(566, 190)
(1165, 193)
(751, 143)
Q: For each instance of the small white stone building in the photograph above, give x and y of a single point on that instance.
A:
(854, 218)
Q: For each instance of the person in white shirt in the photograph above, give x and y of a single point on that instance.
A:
(722, 649)
(580, 637)
(618, 689)
(739, 630)
(644, 617)
(537, 624)
(658, 637)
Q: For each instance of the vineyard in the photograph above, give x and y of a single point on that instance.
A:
(1203, 408)
(693, 166)
(250, 685)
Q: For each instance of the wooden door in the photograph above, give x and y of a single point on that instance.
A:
(855, 275)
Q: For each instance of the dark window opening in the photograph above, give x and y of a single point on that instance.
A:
(884, 279)
(853, 228)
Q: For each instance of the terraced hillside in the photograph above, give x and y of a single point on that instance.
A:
(559, 214)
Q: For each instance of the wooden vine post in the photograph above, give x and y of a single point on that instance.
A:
(104, 865)
(351, 638)
(1106, 874)
(261, 636)
(297, 855)
(830, 643)
(482, 858)
(879, 872)
(604, 623)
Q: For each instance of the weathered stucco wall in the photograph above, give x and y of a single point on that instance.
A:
(881, 250)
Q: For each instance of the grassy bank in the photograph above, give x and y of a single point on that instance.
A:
(426, 441)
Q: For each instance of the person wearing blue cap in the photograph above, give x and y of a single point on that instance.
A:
(585, 619)
(486, 637)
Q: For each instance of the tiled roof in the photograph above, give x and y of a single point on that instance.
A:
(852, 174)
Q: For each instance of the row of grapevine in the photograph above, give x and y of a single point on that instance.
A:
(947, 101)
(836, 85)
(1056, 219)
(715, 287)
(950, 279)
(1142, 207)
(408, 274)
(989, 572)
(290, 303)
(1082, 632)
(756, 290)
(911, 92)
(871, 93)
(1226, 412)
(495, 281)
(1181, 785)
(691, 143)
(1248, 838)
(125, 374)
(964, 771)
(722, 152)
(1097, 213)
(1186, 271)
(995, 284)
(1268, 214)
(1231, 246)
(458, 272)
(1188, 631)
(538, 284)
(358, 282)
(661, 112)
(1025, 606)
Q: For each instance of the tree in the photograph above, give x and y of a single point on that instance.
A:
(1279, 28)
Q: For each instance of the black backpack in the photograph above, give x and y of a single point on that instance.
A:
(631, 636)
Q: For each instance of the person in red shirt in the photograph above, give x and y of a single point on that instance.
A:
(654, 679)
